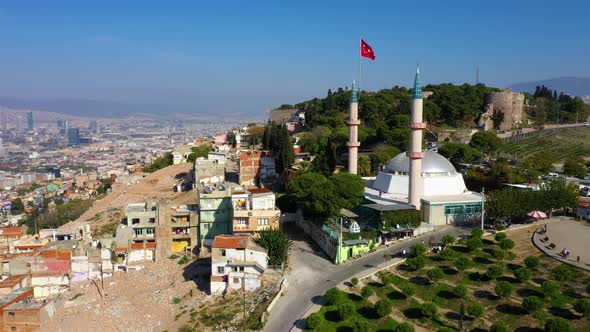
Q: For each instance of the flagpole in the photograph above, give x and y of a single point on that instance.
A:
(360, 58)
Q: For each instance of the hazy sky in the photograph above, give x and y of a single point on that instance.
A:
(248, 56)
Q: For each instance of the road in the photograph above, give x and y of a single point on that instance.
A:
(311, 274)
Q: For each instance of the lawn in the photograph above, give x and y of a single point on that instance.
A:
(562, 143)
(475, 288)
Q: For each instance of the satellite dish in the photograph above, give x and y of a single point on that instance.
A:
(354, 227)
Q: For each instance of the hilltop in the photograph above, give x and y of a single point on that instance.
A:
(577, 86)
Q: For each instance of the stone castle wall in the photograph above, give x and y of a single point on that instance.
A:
(506, 102)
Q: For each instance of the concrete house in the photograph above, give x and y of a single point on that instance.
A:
(139, 224)
(254, 210)
(215, 212)
(237, 263)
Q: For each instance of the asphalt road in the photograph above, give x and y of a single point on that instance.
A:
(311, 274)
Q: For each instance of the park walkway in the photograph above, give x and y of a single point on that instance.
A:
(565, 234)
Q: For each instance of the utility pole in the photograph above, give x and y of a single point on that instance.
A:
(483, 199)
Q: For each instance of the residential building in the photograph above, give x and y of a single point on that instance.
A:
(139, 224)
(256, 167)
(254, 210)
(209, 171)
(73, 136)
(177, 229)
(215, 212)
(27, 315)
(180, 154)
(237, 263)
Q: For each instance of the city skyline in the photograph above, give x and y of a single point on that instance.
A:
(190, 58)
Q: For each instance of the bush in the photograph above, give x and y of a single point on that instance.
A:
(445, 329)
(388, 279)
(460, 291)
(476, 233)
(532, 262)
(404, 327)
(532, 304)
(495, 271)
(345, 310)
(582, 306)
(500, 228)
(506, 244)
(462, 263)
(499, 327)
(435, 274)
(354, 281)
(563, 273)
(500, 236)
(448, 254)
(473, 243)
(408, 290)
(522, 274)
(360, 326)
(383, 308)
(314, 320)
(333, 296)
(418, 249)
(503, 289)
(498, 254)
(429, 310)
(474, 310)
(367, 291)
(448, 239)
(550, 288)
(558, 325)
(416, 263)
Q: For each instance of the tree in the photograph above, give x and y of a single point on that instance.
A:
(499, 327)
(404, 327)
(522, 274)
(448, 240)
(314, 320)
(473, 243)
(448, 254)
(494, 271)
(333, 296)
(550, 288)
(558, 325)
(532, 262)
(354, 281)
(474, 310)
(498, 254)
(276, 243)
(348, 189)
(575, 166)
(460, 153)
(435, 274)
(408, 290)
(582, 306)
(316, 194)
(383, 153)
(418, 249)
(416, 262)
(367, 291)
(460, 291)
(532, 304)
(231, 138)
(360, 326)
(282, 149)
(497, 119)
(429, 310)
(506, 244)
(383, 308)
(500, 236)
(345, 310)
(485, 141)
(159, 163)
(503, 289)
(17, 206)
(476, 233)
(462, 263)
(201, 151)
(364, 166)
(563, 273)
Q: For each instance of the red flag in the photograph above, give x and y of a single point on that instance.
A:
(367, 51)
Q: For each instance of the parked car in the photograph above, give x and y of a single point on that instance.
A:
(585, 191)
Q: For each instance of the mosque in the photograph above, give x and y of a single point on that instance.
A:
(417, 180)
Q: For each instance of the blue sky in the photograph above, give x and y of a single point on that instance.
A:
(248, 56)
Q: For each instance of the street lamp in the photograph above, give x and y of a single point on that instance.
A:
(483, 199)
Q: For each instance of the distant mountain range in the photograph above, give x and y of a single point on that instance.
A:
(578, 86)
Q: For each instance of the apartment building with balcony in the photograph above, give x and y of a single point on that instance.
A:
(254, 210)
(177, 228)
(138, 224)
(215, 211)
(237, 262)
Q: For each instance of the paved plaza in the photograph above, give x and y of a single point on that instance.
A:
(566, 234)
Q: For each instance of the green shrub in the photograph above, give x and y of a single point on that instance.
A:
(367, 291)
(495, 271)
(522, 274)
(473, 243)
(360, 326)
(429, 310)
(503, 289)
(435, 274)
(506, 244)
(404, 327)
(387, 279)
(500, 236)
(448, 254)
(532, 304)
(383, 308)
(314, 320)
(448, 239)
(499, 327)
(418, 249)
(563, 273)
(445, 329)
(354, 281)
(550, 288)
(184, 260)
(462, 263)
(416, 263)
(558, 325)
(532, 262)
(498, 253)
(460, 291)
(345, 310)
(408, 290)
(500, 228)
(333, 296)
(582, 306)
(476, 233)
(474, 310)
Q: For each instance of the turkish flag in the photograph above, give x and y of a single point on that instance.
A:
(367, 51)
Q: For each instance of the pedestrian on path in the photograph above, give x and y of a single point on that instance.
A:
(578, 259)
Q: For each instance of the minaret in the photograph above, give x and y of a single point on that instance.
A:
(353, 124)
(415, 154)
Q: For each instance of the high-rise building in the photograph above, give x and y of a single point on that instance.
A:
(93, 126)
(73, 136)
(30, 120)
(60, 124)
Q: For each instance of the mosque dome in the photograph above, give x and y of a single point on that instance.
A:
(432, 163)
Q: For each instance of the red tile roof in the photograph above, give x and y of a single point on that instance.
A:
(231, 241)
(12, 231)
(259, 190)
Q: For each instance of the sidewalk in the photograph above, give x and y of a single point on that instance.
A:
(568, 233)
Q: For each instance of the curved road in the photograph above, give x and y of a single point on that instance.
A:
(311, 275)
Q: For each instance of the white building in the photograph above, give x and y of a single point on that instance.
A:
(236, 263)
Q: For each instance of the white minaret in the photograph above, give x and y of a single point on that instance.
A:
(415, 154)
(353, 125)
